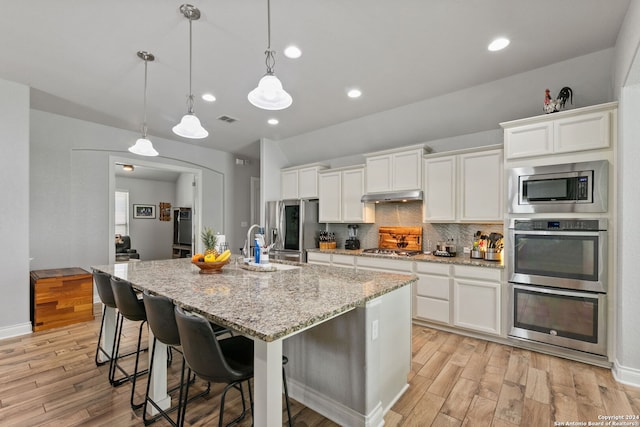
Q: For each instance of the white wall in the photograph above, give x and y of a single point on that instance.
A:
(70, 173)
(627, 74)
(151, 237)
(184, 191)
(468, 111)
(14, 209)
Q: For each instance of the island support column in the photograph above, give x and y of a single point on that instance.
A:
(267, 383)
(108, 332)
(158, 378)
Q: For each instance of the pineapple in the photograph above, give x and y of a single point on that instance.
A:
(209, 239)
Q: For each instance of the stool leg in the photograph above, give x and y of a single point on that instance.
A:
(286, 396)
(99, 346)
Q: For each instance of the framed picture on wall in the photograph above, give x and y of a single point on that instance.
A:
(144, 211)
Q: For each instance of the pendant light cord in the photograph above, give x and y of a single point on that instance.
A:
(269, 24)
(190, 100)
(144, 114)
(270, 61)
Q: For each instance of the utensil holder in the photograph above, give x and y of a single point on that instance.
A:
(493, 254)
(477, 254)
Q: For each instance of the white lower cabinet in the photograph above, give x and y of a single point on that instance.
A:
(343, 260)
(318, 258)
(432, 292)
(336, 260)
(384, 264)
(477, 294)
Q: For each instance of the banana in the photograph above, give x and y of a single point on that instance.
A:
(224, 256)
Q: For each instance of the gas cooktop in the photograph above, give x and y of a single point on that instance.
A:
(392, 252)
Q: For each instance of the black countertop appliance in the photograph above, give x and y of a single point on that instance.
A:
(352, 242)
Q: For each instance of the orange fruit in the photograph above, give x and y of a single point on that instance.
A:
(196, 257)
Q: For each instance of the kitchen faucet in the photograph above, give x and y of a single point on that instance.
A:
(247, 243)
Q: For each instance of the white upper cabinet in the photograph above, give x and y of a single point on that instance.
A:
(464, 187)
(394, 170)
(330, 200)
(440, 188)
(580, 129)
(340, 191)
(289, 184)
(300, 182)
(481, 186)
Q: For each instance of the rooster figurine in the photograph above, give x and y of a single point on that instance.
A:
(550, 104)
(564, 94)
(554, 105)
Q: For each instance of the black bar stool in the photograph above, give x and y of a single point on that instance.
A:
(162, 321)
(103, 285)
(228, 360)
(130, 308)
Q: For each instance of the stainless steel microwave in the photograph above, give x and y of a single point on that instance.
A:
(573, 187)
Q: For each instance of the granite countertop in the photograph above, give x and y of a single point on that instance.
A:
(458, 260)
(266, 305)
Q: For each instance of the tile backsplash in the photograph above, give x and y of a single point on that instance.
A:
(409, 214)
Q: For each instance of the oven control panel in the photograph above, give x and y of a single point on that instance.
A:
(559, 224)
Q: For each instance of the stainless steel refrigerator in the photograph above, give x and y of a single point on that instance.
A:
(293, 226)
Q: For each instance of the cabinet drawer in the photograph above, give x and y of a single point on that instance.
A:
(433, 268)
(433, 286)
(383, 264)
(343, 260)
(318, 258)
(432, 309)
(478, 273)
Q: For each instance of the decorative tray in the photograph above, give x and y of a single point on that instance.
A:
(259, 267)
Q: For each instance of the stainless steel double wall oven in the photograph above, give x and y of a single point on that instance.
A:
(557, 267)
(558, 282)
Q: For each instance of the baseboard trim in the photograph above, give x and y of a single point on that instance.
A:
(626, 375)
(15, 330)
(395, 399)
(334, 410)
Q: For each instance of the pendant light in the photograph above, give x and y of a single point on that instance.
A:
(189, 126)
(269, 95)
(144, 147)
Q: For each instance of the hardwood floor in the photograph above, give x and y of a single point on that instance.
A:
(49, 378)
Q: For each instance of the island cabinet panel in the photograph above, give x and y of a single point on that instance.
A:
(60, 297)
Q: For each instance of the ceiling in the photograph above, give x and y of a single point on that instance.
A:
(80, 58)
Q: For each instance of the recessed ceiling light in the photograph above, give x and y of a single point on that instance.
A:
(273, 122)
(208, 97)
(292, 52)
(499, 44)
(354, 93)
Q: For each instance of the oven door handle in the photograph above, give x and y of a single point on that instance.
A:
(555, 291)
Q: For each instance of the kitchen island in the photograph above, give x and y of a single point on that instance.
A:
(361, 319)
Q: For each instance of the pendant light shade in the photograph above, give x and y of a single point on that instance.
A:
(144, 147)
(189, 126)
(269, 95)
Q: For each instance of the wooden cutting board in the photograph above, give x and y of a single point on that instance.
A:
(389, 237)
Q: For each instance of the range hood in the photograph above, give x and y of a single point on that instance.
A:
(393, 196)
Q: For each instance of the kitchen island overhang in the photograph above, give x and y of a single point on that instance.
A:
(272, 306)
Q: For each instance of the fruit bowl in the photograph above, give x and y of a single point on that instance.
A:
(210, 267)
